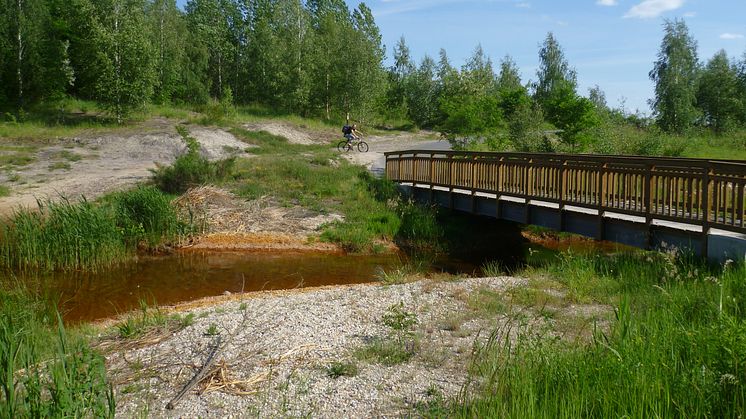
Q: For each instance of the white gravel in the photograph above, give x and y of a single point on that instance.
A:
(292, 336)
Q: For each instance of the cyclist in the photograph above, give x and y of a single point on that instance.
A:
(351, 133)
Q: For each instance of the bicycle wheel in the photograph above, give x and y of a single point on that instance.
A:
(344, 146)
(362, 146)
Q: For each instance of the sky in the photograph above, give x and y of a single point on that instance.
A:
(610, 43)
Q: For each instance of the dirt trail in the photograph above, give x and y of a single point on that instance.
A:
(93, 165)
(375, 160)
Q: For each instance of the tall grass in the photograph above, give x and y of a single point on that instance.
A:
(88, 236)
(45, 371)
(676, 348)
(145, 214)
(62, 236)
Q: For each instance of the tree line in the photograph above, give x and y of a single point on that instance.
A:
(320, 58)
(494, 107)
(306, 57)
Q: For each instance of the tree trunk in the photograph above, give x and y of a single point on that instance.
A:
(19, 70)
(162, 62)
(327, 96)
(220, 75)
(117, 66)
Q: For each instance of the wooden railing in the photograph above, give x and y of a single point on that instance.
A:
(705, 193)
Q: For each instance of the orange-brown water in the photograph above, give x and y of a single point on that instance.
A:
(185, 277)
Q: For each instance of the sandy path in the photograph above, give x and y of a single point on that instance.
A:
(94, 165)
(374, 159)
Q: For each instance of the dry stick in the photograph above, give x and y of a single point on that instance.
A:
(197, 377)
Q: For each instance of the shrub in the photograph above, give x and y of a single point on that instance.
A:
(146, 214)
(190, 169)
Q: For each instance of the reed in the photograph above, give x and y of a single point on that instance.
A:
(62, 235)
(45, 371)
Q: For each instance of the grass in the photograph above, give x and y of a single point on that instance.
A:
(85, 235)
(46, 371)
(4, 191)
(676, 346)
(190, 169)
(341, 369)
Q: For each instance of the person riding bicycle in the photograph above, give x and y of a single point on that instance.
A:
(351, 133)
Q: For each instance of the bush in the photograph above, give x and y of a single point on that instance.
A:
(146, 214)
(190, 169)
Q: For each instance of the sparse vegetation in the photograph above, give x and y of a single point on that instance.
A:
(400, 345)
(341, 369)
(191, 169)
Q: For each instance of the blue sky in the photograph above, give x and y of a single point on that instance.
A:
(612, 43)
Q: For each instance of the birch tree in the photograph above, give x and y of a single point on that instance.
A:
(675, 74)
(126, 79)
(168, 37)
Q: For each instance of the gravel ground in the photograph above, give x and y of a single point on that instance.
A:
(277, 346)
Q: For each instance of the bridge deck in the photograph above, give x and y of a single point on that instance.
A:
(696, 196)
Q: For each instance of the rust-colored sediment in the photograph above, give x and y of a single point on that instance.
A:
(260, 241)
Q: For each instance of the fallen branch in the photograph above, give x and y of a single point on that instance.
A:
(197, 377)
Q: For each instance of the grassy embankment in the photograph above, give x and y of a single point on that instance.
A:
(676, 346)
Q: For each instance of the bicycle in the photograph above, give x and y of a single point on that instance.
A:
(345, 146)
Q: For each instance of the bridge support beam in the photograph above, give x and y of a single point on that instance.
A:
(628, 230)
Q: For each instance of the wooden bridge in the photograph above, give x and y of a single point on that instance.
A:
(640, 201)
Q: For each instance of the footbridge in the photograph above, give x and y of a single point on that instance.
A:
(693, 204)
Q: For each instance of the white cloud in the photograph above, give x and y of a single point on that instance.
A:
(607, 2)
(653, 8)
(523, 5)
(728, 35)
(690, 14)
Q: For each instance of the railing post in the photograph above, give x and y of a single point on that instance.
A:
(414, 170)
(432, 177)
(706, 208)
(473, 184)
(398, 172)
(648, 200)
(599, 201)
(450, 181)
(498, 188)
(561, 190)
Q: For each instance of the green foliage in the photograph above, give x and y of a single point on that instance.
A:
(145, 214)
(85, 235)
(61, 377)
(399, 346)
(675, 76)
(62, 236)
(4, 191)
(675, 347)
(191, 169)
(125, 80)
(555, 76)
(718, 97)
(341, 369)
